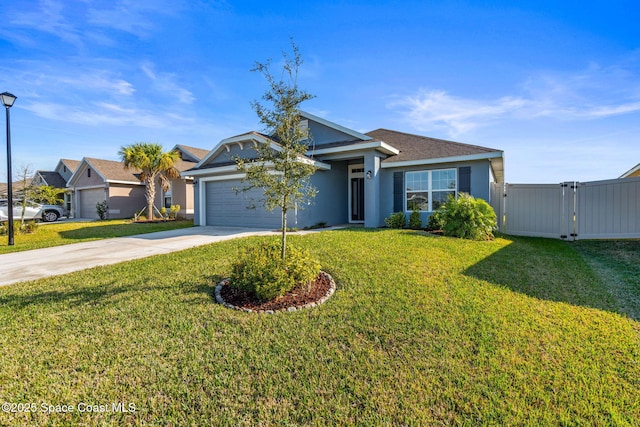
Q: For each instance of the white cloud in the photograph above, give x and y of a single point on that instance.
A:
(49, 18)
(104, 113)
(595, 93)
(166, 83)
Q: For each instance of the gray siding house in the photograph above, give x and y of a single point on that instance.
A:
(58, 178)
(361, 177)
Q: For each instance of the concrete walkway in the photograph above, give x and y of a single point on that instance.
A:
(38, 263)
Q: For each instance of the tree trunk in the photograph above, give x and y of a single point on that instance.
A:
(283, 252)
(150, 194)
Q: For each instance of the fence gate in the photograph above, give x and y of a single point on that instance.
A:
(570, 210)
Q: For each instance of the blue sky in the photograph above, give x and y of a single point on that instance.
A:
(555, 84)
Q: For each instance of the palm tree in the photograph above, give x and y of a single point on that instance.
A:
(154, 164)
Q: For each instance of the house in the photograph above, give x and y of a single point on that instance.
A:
(634, 171)
(97, 180)
(181, 189)
(58, 178)
(360, 177)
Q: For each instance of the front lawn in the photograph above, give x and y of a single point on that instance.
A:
(63, 233)
(422, 330)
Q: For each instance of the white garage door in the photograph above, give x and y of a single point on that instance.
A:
(88, 201)
(226, 208)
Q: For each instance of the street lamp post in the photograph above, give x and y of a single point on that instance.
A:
(8, 100)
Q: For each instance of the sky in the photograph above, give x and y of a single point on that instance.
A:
(553, 84)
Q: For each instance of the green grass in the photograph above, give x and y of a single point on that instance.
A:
(64, 233)
(421, 331)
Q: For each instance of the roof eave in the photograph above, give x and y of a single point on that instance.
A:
(380, 146)
(451, 159)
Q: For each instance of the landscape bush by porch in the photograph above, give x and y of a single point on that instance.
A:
(396, 220)
(261, 271)
(415, 222)
(435, 221)
(468, 218)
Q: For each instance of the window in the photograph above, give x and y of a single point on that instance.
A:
(428, 190)
(167, 197)
(418, 191)
(89, 173)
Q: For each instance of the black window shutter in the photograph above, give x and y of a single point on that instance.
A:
(464, 179)
(398, 191)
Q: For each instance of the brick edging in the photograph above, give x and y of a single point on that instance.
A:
(332, 289)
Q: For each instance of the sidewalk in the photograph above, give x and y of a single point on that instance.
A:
(38, 263)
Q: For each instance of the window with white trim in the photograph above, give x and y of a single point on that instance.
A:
(428, 190)
(167, 197)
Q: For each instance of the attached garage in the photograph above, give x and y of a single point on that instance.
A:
(87, 200)
(226, 208)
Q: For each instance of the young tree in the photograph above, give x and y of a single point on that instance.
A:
(153, 164)
(281, 171)
(25, 181)
(48, 195)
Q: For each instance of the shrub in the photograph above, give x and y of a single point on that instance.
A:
(163, 212)
(415, 221)
(468, 218)
(261, 271)
(174, 211)
(28, 227)
(396, 220)
(435, 221)
(102, 208)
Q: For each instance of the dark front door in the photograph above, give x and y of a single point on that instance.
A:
(357, 199)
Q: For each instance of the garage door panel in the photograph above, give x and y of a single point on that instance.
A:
(226, 208)
(88, 200)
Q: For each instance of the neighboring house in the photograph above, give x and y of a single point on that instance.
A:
(97, 180)
(634, 171)
(181, 190)
(360, 178)
(58, 178)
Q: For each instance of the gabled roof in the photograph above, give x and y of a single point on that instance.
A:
(251, 137)
(400, 148)
(108, 170)
(52, 178)
(193, 154)
(351, 132)
(71, 165)
(634, 171)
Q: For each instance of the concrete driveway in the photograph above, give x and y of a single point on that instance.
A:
(39, 263)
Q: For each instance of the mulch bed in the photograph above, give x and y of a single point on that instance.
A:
(297, 297)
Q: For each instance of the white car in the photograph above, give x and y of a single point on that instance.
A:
(46, 213)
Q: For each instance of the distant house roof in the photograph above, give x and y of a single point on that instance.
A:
(634, 171)
(52, 178)
(196, 154)
(111, 170)
(72, 165)
(183, 165)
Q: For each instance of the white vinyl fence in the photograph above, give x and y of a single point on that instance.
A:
(571, 210)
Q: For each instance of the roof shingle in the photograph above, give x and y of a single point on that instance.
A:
(417, 147)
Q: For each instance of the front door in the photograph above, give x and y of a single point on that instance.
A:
(357, 199)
